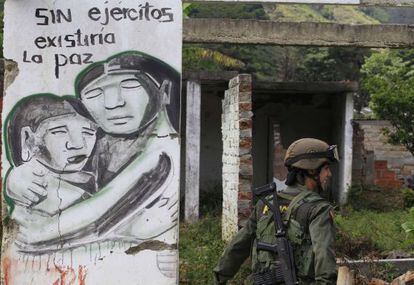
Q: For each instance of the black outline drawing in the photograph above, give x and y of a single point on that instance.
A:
(127, 132)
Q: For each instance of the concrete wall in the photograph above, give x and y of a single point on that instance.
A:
(211, 147)
(376, 161)
(299, 115)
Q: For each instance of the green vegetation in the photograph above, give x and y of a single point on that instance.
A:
(347, 14)
(408, 226)
(376, 13)
(319, 13)
(371, 223)
(389, 77)
(201, 58)
(200, 248)
(276, 63)
(361, 234)
(294, 13)
(381, 232)
(368, 227)
(374, 198)
(227, 10)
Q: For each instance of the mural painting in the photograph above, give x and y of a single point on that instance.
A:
(91, 170)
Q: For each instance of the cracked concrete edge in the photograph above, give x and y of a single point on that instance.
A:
(8, 227)
(150, 245)
(11, 71)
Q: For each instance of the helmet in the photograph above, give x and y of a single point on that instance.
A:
(309, 153)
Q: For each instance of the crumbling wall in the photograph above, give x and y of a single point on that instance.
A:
(237, 156)
(375, 160)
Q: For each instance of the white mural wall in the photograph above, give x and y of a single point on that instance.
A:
(91, 145)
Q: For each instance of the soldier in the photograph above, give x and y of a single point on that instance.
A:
(307, 216)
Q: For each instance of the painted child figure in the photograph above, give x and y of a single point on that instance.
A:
(50, 135)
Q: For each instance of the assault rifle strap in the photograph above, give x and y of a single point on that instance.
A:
(296, 202)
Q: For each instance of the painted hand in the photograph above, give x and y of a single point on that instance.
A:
(26, 184)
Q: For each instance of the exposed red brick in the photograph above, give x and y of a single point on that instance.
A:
(245, 106)
(378, 173)
(388, 175)
(388, 183)
(380, 164)
(245, 124)
(245, 195)
(246, 143)
(245, 86)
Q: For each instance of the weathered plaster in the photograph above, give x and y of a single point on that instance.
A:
(192, 152)
(304, 34)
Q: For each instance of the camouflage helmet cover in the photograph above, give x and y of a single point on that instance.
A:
(310, 153)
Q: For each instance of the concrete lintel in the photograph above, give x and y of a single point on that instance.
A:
(202, 75)
(304, 34)
(390, 3)
(306, 87)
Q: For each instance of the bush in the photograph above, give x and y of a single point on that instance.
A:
(408, 197)
(380, 232)
(371, 197)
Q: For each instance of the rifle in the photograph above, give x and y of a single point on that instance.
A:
(282, 247)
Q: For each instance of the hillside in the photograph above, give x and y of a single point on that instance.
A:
(318, 13)
(277, 63)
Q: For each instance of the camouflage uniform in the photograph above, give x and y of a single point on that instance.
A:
(310, 229)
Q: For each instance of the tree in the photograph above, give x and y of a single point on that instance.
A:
(389, 77)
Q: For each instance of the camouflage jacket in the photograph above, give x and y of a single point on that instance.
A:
(310, 230)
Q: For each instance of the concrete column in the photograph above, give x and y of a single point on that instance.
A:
(346, 152)
(237, 159)
(192, 152)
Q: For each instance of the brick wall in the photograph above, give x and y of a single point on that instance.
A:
(237, 158)
(377, 162)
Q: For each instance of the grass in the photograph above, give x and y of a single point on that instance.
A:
(381, 232)
(363, 231)
(200, 248)
(375, 215)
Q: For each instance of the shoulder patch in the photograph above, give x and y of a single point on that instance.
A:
(283, 208)
(265, 210)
